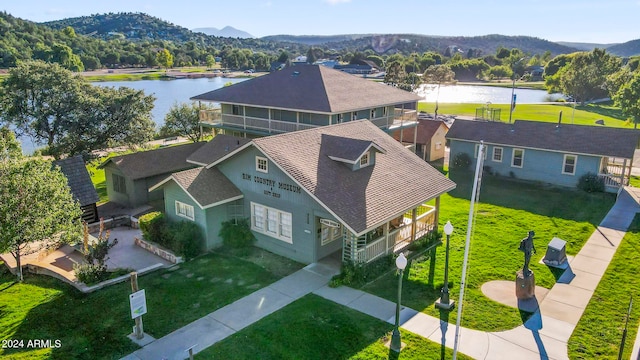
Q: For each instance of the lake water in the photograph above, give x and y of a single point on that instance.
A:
(168, 92)
(483, 94)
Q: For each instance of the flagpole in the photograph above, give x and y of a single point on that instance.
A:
(474, 192)
(513, 97)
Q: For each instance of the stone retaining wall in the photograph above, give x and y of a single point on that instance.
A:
(158, 250)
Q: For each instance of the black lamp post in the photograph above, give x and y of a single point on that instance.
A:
(444, 302)
(396, 343)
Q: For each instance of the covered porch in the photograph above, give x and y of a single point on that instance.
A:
(391, 237)
(615, 173)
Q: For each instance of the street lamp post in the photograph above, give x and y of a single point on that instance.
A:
(396, 343)
(444, 302)
(513, 100)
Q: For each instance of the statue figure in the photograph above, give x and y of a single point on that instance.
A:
(526, 246)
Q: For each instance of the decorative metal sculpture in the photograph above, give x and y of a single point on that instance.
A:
(526, 246)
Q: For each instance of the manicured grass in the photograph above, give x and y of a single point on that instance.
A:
(127, 77)
(506, 212)
(599, 332)
(98, 179)
(95, 326)
(315, 328)
(584, 115)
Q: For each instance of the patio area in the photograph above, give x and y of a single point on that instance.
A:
(59, 263)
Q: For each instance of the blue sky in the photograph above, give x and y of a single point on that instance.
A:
(601, 21)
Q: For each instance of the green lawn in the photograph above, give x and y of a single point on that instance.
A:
(98, 179)
(315, 328)
(584, 115)
(94, 326)
(507, 211)
(599, 332)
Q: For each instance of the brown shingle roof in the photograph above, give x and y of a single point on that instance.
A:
(311, 88)
(426, 130)
(208, 187)
(581, 139)
(78, 179)
(346, 148)
(364, 198)
(215, 149)
(154, 162)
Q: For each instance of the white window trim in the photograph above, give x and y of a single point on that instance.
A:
(513, 156)
(278, 223)
(365, 156)
(493, 154)
(258, 159)
(188, 208)
(564, 164)
(475, 152)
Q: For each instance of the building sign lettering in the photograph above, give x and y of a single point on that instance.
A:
(272, 183)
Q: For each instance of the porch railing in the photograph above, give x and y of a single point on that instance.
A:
(398, 238)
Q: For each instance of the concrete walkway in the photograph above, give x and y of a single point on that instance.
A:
(543, 336)
(234, 317)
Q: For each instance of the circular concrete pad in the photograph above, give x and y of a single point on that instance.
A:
(504, 292)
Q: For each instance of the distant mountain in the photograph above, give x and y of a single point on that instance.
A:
(584, 46)
(227, 31)
(408, 43)
(630, 48)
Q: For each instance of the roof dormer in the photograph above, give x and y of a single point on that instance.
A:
(354, 153)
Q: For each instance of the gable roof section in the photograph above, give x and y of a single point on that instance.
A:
(426, 130)
(207, 187)
(215, 149)
(361, 199)
(347, 150)
(310, 88)
(580, 139)
(78, 179)
(154, 162)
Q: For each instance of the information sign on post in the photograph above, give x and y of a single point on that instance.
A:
(138, 303)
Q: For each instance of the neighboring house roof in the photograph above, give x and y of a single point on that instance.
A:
(310, 88)
(580, 139)
(215, 149)
(426, 129)
(154, 162)
(78, 179)
(207, 187)
(361, 199)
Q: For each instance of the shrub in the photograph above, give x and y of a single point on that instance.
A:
(89, 273)
(358, 274)
(591, 182)
(462, 161)
(236, 234)
(154, 227)
(187, 239)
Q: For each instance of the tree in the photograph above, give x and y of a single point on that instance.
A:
(69, 115)
(395, 73)
(37, 210)
(40, 99)
(210, 60)
(438, 74)
(628, 98)
(9, 146)
(183, 119)
(585, 76)
(164, 58)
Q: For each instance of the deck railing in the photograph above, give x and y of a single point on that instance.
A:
(398, 238)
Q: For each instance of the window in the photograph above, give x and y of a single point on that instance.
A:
(329, 234)
(184, 210)
(354, 115)
(384, 111)
(235, 110)
(262, 164)
(272, 222)
(477, 149)
(517, 158)
(438, 145)
(373, 114)
(569, 164)
(497, 154)
(119, 184)
(364, 160)
(340, 118)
